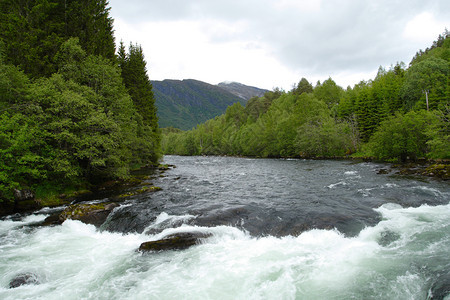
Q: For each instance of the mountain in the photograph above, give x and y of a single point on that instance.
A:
(241, 90)
(185, 103)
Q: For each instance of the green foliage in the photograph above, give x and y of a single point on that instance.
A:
(371, 102)
(303, 87)
(78, 126)
(403, 137)
(329, 92)
(326, 139)
(439, 134)
(429, 76)
(284, 128)
(135, 78)
(20, 160)
(33, 31)
(137, 83)
(89, 20)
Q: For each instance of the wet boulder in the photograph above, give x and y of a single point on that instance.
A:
(94, 214)
(53, 219)
(23, 279)
(176, 241)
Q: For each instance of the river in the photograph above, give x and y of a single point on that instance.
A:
(279, 229)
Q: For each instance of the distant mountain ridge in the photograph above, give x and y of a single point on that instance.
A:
(185, 103)
(241, 90)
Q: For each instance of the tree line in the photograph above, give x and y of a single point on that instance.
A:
(72, 112)
(402, 114)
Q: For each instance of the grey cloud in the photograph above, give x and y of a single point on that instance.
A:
(349, 35)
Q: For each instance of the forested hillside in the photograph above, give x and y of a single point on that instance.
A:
(71, 112)
(184, 104)
(402, 114)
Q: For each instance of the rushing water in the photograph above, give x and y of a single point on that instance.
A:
(281, 229)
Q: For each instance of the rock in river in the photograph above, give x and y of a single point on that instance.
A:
(94, 214)
(176, 241)
(23, 279)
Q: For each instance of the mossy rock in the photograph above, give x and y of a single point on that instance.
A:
(141, 191)
(163, 167)
(438, 170)
(94, 214)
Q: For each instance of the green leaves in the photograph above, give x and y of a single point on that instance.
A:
(20, 162)
(403, 137)
(431, 75)
(291, 125)
(79, 125)
(75, 121)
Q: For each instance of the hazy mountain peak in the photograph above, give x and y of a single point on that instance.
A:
(241, 90)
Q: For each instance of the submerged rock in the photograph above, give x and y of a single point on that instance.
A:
(23, 279)
(383, 171)
(441, 288)
(94, 214)
(53, 219)
(176, 241)
(387, 237)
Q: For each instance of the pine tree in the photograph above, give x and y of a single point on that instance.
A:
(135, 78)
(134, 74)
(89, 20)
(33, 31)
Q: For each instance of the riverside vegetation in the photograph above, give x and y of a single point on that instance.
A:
(402, 114)
(72, 112)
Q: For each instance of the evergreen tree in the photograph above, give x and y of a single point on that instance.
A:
(33, 31)
(134, 74)
(89, 20)
(135, 78)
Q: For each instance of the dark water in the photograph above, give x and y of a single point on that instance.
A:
(278, 229)
(276, 197)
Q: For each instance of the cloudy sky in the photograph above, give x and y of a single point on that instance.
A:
(274, 43)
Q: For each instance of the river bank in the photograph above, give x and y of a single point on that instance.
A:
(139, 182)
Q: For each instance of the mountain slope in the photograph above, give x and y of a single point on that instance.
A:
(241, 90)
(185, 103)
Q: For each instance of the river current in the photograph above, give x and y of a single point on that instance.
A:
(279, 229)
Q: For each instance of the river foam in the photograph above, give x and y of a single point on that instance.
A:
(399, 258)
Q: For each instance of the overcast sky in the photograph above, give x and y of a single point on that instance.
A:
(274, 43)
